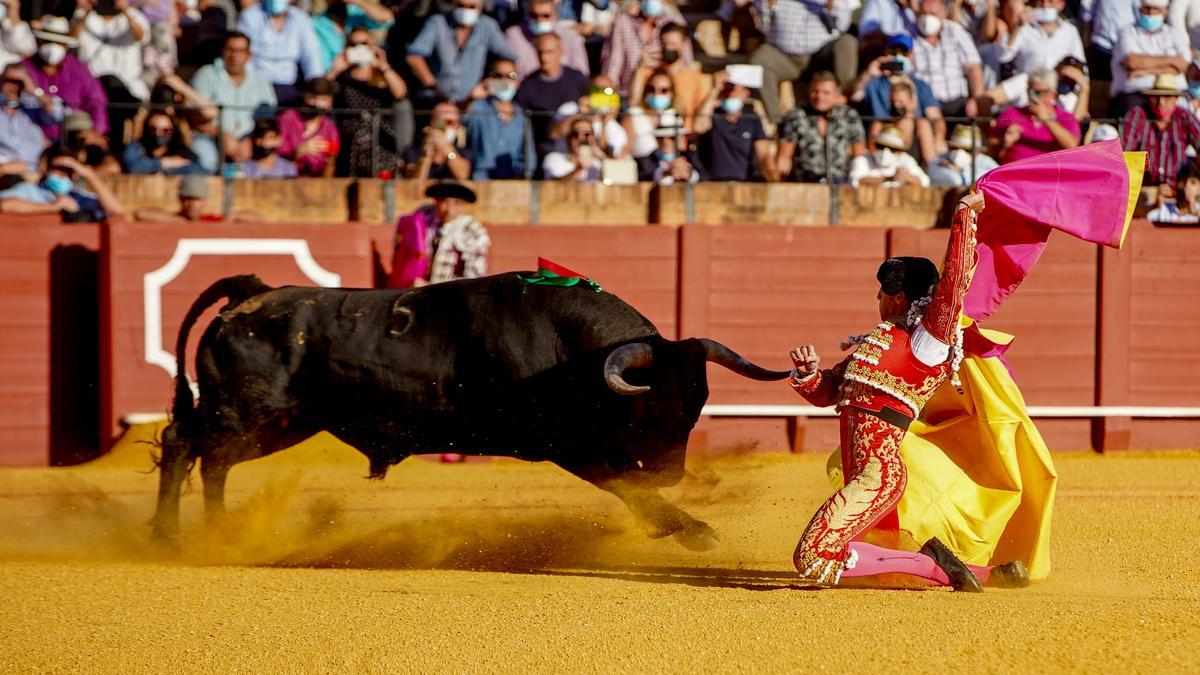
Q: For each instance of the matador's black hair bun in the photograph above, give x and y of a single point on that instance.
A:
(913, 275)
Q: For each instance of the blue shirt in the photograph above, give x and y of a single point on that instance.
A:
(1109, 18)
(21, 136)
(879, 96)
(238, 103)
(275, 54)
(89, 206)
(457, 72)
(884, 16)
(497, 148)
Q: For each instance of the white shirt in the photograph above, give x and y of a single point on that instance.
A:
(1169, 213)
(16, 41)
(1167, 41)
(108, 48)
(1033, 48)
(1185, 14)
(885, 163)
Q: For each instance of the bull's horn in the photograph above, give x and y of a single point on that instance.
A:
(720, 354)
(633, 355)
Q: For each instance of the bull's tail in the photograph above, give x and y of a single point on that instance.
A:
(237, 289)
(721, 355)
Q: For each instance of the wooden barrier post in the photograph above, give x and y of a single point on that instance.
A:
(1114, 296)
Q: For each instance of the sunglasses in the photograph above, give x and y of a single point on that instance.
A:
(583, 135)
(497, 75)
(543, 15)
(660, 90)
(357, 44)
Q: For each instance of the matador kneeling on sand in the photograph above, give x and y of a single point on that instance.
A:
(879, 389)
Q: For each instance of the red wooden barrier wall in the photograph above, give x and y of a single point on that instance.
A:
(49, 378)
(144, 262)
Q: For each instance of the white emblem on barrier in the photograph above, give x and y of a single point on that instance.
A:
(155, 281)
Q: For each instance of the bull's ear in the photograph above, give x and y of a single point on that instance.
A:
(401, 319)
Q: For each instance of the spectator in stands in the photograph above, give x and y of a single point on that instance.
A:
(543, 92)
(1074, 89)
(440, 241)
(57, 192)
(732, 145)
(964, 162)
(56, 73)
(194, 113)
(16, 38)
(908, 125)
(882, 20)
(542, 19)
(581, 160)
(673, 165)
(1179, 205)
(1040, 127)
(689, 86)
(241, 93)
(21, 122)
(202, 31)
(889, 162)
(160, 54)
(309, 136)
(595, 25)
(440, 152)
(449, 55)
(79, 141)
(817, 141)
(945, 56)
(496, 127)
(1145, 50)
(193, 190)
(603, 104)
(111, 38)
(635, 42)
(343, 16)
(368, 84)
(801, 38)
(281, 39)
(265, 161)
(1109, 18)
(161, 148)
(1040, 43)
(1162, 129)
(874, 87)
(1185, 16)
(641, 121)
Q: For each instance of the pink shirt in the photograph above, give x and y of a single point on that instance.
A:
(1036, 138)
(291, 131)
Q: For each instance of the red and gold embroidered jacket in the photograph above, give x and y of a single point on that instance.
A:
(883, 371)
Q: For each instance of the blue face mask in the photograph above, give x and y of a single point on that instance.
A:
(1151, 23)
(1194, 90)
(541, 27)
(668, 156)
(506, 94)
(903, 61)
(600, 4)
(652, 7)
(732, 105)
(59, 184)
(658, 102)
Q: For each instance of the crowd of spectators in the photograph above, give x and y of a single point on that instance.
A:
(892, 92)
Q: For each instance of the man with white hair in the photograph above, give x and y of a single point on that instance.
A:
(1040, 127)
(1145, 50)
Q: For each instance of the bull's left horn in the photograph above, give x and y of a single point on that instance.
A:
(634, 355)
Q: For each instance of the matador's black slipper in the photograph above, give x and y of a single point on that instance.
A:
(960, 575)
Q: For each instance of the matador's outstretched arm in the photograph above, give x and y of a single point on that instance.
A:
(941, 317)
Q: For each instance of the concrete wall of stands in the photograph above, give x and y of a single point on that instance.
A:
(1093, 326)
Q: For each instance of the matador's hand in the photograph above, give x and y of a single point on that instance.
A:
(805, 360)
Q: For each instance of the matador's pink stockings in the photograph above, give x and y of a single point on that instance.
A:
(874, 560)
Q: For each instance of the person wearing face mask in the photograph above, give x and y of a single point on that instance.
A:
(635, 31)
(641, 121)
(603, 104)
(1041, 126)
(450, 54)
(874, 87)
(58, 192)
(732, 145)
(673, 164)
(689, 86)
(542, 92)
(1181, 205)
(1162, 129)
(581, 159)
(282, 38)
(63, 78)
(802, 38)
(1145, 50)
(945, 56)
(367, 86)
(441, 151)
(21, 136)
(496, 127)
(161, 148)
(1041, 43)
(16, 38)
(541, 18)
(889, 164)
(265, 161)
(343, 16)
(309, 136)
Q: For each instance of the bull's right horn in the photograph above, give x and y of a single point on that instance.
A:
(633, 355)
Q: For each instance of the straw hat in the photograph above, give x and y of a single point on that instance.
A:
(961, 138)
(1165, 84)
(890, 137)
(56, 29)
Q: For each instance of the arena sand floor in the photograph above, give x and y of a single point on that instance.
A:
(512, 567)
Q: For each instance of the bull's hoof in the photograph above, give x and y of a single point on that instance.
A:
(697, 537)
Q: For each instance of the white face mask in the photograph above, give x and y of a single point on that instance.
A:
(466, 17)
(1045, 14)
(52, 53)
(885, 156)
(359, 55)
(929, 25)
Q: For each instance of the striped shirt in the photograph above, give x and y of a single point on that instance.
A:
(942, 65)
(1165, 148)
(802, 26)
(622, 52)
